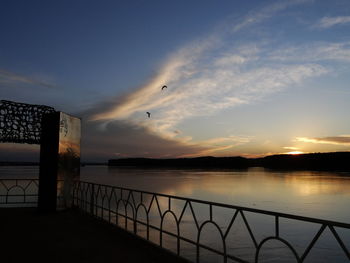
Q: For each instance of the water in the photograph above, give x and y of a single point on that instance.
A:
(323, 195)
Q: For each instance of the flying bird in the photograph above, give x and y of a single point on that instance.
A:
(149, 114)
(164, 87)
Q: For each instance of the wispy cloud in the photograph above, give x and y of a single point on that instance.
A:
(8, 78)
(258, 16)
(327, 22)
(314, 52)
(291, 148)
(338, 140)
(202, 85)
(123, 139)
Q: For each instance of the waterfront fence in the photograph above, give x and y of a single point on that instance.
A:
(198, 230)
(19, 192)
(204, 231)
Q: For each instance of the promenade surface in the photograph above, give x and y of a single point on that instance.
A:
(70, 236)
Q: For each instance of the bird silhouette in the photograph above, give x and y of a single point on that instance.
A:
(164, 87)
(149, 114)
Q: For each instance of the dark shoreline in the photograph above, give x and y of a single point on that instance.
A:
(37, 163)
(338, 161)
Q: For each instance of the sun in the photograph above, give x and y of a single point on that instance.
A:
(295, 152)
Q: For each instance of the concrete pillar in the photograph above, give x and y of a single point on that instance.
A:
(59, 160)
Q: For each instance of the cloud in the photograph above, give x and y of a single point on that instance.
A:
(203, 86)
(327, 22)
(122, 139)
(256, 17)
(202, 81)
(290, 148)
(338, 140)
(8, 78)
(233, 139)
(202, 69)
(220, 145)
(316, 52)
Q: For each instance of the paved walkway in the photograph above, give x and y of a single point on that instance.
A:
(70, 236)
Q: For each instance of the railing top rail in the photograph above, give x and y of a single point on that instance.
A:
(248, 209)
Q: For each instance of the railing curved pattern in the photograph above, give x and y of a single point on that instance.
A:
(147, 215)
(19, 191)
(106, 201)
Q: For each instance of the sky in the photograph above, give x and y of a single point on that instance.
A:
(248, 78)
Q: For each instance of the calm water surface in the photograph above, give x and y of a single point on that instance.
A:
(323, 195)
(315, 194)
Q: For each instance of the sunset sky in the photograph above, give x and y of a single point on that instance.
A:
(248, 78)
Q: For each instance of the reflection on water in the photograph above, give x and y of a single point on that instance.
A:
(323, 195)
(315, 194)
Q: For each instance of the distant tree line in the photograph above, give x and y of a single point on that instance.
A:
(337, 161)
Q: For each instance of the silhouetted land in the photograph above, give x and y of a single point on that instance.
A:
(37, 163)
(337, 161)
(93, 163)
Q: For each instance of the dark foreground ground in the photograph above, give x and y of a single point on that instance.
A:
(70, 236)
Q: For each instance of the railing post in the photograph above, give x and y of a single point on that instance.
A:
(277, 226)
(74, 202)
(92, 199)
(135, 231)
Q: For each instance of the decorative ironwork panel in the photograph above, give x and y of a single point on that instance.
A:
(21, 122)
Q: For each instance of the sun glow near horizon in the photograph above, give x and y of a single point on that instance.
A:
(295, 152)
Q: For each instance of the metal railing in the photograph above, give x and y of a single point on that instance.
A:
(148, 214)
(15, 192)
(177, 223)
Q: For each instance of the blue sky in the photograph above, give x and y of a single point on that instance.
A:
(244, 77)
